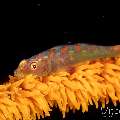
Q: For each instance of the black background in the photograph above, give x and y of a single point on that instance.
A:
(33, 28)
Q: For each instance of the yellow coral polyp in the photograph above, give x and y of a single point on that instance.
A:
(32, 95)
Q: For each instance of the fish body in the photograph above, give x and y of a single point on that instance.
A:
(63, 56)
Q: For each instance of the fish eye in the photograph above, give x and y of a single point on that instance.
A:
(33, 65)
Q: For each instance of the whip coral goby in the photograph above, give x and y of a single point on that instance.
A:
(62, 57)
(70, 76)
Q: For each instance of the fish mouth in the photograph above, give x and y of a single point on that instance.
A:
(19, 71)
(18, 74)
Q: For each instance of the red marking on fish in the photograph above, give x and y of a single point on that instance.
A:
(70, 69)
(64, 50)
(116, 48)
(39, 56)
(51, 53)
(77, 47)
